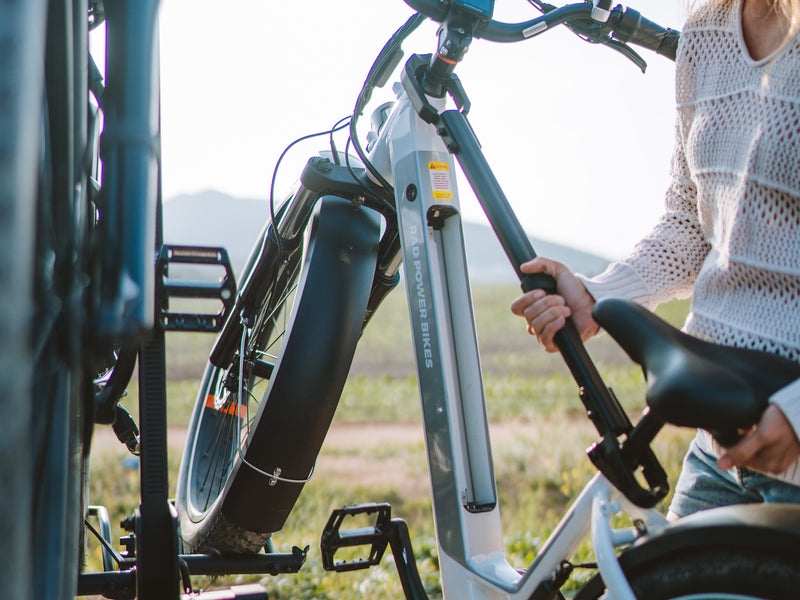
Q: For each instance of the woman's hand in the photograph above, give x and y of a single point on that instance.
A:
(547, 314)
(770, 447)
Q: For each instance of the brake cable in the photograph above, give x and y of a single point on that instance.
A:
(383, 66)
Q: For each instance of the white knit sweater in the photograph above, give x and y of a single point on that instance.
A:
(730, 235)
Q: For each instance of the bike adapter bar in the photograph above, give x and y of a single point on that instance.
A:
(459, 138)
(602, 407)
(601, 404)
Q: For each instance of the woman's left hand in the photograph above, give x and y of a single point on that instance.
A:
(770, 447)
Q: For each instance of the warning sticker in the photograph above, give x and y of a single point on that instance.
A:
(440, 180)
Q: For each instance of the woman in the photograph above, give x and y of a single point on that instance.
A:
(730, 236)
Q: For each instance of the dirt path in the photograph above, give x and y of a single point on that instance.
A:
(376, 455)
(345, 435)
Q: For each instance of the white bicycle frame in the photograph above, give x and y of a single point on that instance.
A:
(411, 156)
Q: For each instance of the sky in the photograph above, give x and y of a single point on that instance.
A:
(578, 137)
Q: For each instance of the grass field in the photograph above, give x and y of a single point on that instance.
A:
(375, 450)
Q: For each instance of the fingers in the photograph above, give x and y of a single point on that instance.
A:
(542, 265)
(771, 447)
(742, 453)
(544, 314)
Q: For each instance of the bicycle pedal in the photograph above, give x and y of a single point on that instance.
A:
(237, 592)
(375, 535)
(220, 292)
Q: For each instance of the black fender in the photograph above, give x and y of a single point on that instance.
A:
(755, 528)
(308, 379)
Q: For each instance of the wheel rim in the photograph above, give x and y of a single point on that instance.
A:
(230, 408)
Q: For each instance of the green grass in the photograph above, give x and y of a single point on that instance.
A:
(537, 477)
(540, 467)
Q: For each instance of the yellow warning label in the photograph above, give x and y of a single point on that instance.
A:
(441, 185)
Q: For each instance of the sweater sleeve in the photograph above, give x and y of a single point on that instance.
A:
(665, 264)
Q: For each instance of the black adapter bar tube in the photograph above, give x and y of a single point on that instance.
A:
(602, 406)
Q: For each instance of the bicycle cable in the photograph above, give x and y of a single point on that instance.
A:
(332, 141)
(386, 204)
(388, 57)
(385, 63)
(542, 7)
(340, 124)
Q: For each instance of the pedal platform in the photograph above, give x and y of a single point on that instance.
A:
(376, 536)
(220, 292)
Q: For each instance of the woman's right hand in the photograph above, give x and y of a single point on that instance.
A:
(546, 314)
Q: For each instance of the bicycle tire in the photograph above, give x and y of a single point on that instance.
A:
(713, 573)
(62, 398)
(309, 322)
(22, 26)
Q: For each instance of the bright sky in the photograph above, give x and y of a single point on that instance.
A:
(577, 136)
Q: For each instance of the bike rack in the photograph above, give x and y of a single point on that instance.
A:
(151, 566)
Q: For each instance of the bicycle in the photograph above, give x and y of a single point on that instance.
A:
(335, 249)
(411, 153)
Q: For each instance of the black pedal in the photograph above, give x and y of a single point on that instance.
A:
(222, 290)
(376, 536)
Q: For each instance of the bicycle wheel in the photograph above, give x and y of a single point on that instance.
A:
(61, 392)
(258, 426)
(721, 573)
(21, 81)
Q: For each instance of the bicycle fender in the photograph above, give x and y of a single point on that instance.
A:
(308, 380)
(758, 528)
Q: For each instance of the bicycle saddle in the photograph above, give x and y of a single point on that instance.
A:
(692, 383)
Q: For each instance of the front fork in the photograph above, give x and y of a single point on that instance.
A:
(130, 151)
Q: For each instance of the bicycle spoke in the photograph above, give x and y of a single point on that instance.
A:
(220, 442)
(226, 439)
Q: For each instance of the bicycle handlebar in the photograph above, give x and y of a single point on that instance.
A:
(634, 28)
(625, 24)
(497, 31)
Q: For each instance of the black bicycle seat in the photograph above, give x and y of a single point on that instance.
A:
(693, 383)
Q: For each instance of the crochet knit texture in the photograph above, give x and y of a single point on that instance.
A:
(730, 235)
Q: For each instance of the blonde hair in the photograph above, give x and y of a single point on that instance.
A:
(790, 9)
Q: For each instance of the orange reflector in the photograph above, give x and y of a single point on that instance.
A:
(229, 408)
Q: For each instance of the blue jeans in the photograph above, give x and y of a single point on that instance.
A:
(703, 485)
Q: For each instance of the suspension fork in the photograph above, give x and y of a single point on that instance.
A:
(130, 150)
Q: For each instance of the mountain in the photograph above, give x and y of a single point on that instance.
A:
(212, 218)
(488, 263)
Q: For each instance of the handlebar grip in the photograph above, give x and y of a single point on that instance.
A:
(634, 28)
(538, 281)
